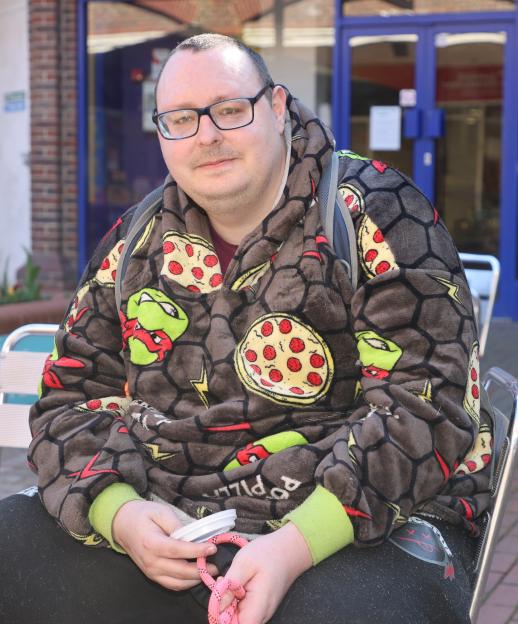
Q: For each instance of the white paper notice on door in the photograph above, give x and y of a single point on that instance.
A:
(385, 128)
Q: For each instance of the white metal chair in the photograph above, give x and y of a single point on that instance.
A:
(20, 373)
(502, 390)
(482, 272)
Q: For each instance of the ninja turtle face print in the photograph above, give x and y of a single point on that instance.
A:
(378, 355)
(263, 448)
(152, 324)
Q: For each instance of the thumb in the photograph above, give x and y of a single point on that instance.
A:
(166, 519)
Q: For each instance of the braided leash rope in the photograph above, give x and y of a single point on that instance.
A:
(219, 587)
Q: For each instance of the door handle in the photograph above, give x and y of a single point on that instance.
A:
(412, 123)
(433, 126)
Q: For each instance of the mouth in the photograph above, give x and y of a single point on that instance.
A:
(214, 164)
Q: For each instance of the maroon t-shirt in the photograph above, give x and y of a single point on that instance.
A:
(224, 250)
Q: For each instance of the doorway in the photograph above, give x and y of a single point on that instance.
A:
(432, 99)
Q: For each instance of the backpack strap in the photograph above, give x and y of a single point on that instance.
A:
(337, 221)
(149, 206)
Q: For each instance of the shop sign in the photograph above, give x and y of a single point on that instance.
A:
(14, 101)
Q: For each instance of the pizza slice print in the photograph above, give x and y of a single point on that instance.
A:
(471, 401)
(352, 197)
(191, 261)
(480, 454)
(283, 359)
(376, 257)
(113, 403)
(107, 272)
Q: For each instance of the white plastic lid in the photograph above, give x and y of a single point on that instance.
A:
(204, 529)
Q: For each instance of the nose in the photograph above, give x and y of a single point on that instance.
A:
(207, 133)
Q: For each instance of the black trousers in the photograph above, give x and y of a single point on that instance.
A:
(47, 577)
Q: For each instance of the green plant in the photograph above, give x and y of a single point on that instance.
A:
(28, 289)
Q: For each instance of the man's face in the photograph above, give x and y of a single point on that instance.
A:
(221, 167)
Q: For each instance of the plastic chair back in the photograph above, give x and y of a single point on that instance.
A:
(502, 390)
(20, 373)
(482, 272)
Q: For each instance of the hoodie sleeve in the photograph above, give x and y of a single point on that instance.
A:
(80, 442)
(419, 409)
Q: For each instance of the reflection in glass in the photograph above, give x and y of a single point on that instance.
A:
(381, 66)
(470, 90)
(351, 8)
(127, 43)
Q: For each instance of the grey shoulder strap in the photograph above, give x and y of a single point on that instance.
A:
(336, 219)
(144, 212)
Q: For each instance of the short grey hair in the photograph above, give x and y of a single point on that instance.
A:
(209, 41)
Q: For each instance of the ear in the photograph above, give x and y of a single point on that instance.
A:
(279, 107)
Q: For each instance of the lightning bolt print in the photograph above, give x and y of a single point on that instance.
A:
(426, 393)
(88, 540)
(451, 287)
(201, 385)
(157, 454)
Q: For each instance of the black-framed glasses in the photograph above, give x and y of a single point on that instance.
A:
(225, 115)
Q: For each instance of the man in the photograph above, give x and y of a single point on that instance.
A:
(242, 371)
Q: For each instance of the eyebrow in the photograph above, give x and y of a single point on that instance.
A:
(217, 98)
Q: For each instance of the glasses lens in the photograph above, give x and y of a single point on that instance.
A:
(232, 113)
(178, 124)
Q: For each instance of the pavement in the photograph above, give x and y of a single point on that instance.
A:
(501, 597)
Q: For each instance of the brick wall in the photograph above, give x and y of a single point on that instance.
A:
(52, 37)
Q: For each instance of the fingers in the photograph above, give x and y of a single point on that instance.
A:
(188, 550)
(175, 574)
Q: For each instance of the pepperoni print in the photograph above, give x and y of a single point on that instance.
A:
(275, 375)
(216, 280)
(382, 267)
(269, 353)
(285, 326)
(317, 361)
(93, 404)
(294, 364)
(193, 288)
(189, 250)
(297, 345)
(105, 264)
(256, 369)
(210, 261)
(378, 236)
(296, 390)
(250, 355)
(168, 247)
(175, 268)
(371, 255)
(267, 329)
(474, 375)
(475, 392)
(197, 272)
(314, 379)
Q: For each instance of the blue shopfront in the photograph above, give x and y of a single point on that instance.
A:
(433, 93)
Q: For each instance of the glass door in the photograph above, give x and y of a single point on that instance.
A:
(469, 91)
(383, 78)
(438, 99)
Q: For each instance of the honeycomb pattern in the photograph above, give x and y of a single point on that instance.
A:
(385, 450)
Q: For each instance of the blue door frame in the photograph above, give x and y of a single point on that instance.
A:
(426, 27)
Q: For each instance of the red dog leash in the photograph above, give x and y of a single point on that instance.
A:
(218, 588)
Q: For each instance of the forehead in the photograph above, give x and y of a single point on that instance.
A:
(200, 78)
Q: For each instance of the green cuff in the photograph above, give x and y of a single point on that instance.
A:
(323, 523)
(106, 505)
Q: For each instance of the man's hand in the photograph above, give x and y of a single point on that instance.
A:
(142, 528)
(266, 568)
